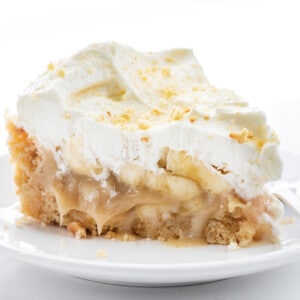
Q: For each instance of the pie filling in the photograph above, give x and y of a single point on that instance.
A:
(184, 199)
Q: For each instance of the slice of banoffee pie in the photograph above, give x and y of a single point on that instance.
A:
(115, 141)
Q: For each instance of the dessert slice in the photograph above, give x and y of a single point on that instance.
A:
(114, 140)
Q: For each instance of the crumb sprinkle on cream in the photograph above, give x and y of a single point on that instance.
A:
(241, 137)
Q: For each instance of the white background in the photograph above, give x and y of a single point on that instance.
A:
(251, 47)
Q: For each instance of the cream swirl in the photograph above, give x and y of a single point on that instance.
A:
(112, 104)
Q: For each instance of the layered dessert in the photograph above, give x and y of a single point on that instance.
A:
(112, 140)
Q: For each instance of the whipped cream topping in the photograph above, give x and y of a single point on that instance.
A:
(113, 105)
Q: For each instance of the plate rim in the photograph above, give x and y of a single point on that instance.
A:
(295, 247)
(136, 274)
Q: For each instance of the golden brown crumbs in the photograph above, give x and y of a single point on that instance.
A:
(168, 92)
(101, 253)
(223, 171)
(145, 139)
(126, 116)
(118, 119)
(193, 119)
(67, 116)
(166, 72)
(77, 229)
(143, 124)
(241, 137)
(177, 113)
(21, 221)
(101, 118)
(61, 73)
(169, 59)
(286, 221)
(260, 143)
(110, 235)
(128, 237)
(50, 66)
(156, 112)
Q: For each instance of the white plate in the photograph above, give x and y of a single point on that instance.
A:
(146, 263)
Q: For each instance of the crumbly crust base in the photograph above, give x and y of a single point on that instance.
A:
(235, 221)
